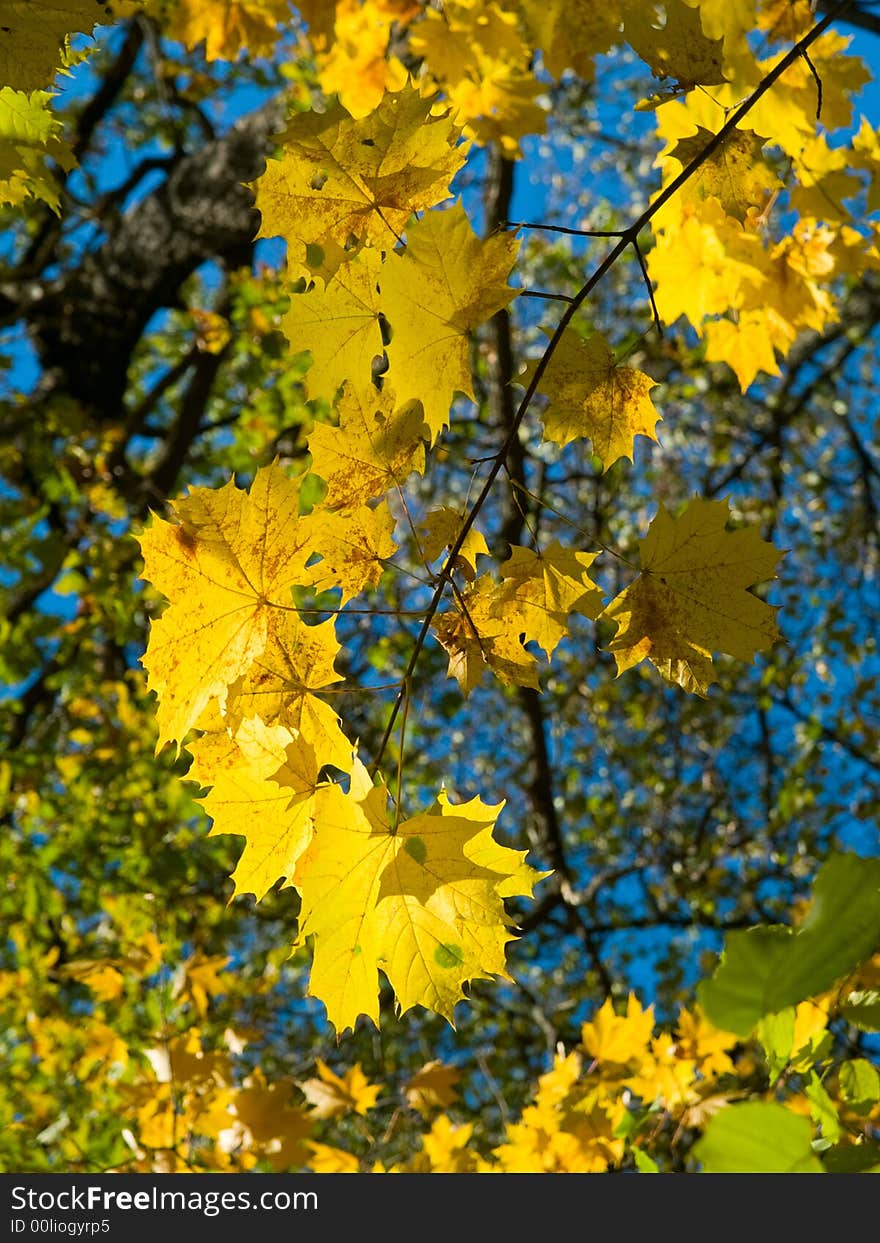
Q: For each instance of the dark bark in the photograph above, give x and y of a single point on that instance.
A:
(87, 323)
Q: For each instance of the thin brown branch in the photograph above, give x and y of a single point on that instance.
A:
(627, 238)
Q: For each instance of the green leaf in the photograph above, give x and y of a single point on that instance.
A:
(644, 1163)
(734, 998)
(765, 970)
(776, 1034)
(860, 1085)
(757, 1138)
(822, 1109)
(862, 1009)
(842, 928)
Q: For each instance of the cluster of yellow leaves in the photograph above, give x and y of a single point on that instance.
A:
(719, 259)
(181, 1098)
(576, 1123)
(715, 260)
(341, 195)
(689, 602)
(609, 1101)
(488, 623)
(479, 55)
(184, 1101)
(34, 46)
(229, 28)
(385, 293)
(422, 899)
(353, 45)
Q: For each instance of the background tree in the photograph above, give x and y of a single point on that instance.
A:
(154, 345)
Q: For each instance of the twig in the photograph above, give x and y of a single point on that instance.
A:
(626, 238)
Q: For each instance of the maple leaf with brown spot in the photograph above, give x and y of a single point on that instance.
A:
(590, 395)
(376, 446)
(478, 637)
(691, 598)
(340, 179)
(228, 564)
(421, 899)
(736, 172)
(446, 283)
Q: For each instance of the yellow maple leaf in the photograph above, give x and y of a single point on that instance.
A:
(268, 798)
(376, 446)
(865, 154)
(591, 396)
(708, 1046)
(440, 528)
(432, 1087)
(478, 636)
(325, 1159)
(319, 17)
(352, 546)
(101, 975)
(280, 687)
(669, 38)
(358, 64)
(705, 265)
(570, 1128)
(340, 178)
(540, 590)
(748, 344)
(794, 267)
(824, 180)
(33, 35)
(229, 27)
(665, 1077)
(227, 564)
(420, 900)
(339, 326)
(691, 598)
(272, 1126)
(30, 134)
(476, 55)
(445, 1148)
(201, 979)
(810, 1019)
(726, 19)
(571, 33)
(335, 1096)
(788, 112)
(736, 173)
(620, 1039)
(500, 108)
(447, 282)
(214, 749)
